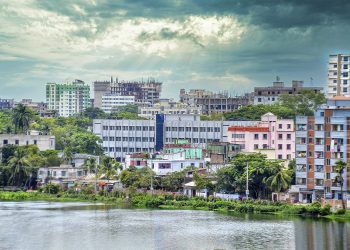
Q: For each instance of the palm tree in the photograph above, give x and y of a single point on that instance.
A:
(19, 167)
(280, 180)
(91, 167)
(67, 155)
(21, 116)
(109, 168)
(339, 169)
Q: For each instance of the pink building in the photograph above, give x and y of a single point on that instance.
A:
(270, 133)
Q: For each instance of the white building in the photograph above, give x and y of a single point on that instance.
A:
(163, 164)
(111, 101)
(122, 137)
(338, 75)
(168, 106)
(44, 142)
(68, 98)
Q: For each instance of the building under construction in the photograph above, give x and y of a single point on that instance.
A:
(214, 102)
(145, 92)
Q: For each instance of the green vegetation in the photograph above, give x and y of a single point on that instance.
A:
(171, 201)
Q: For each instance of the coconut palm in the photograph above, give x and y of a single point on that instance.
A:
(280, 180)
(19, 167)
(21, 116)
(68, 155)
(339, 169)
(91, 167)
(109, 168)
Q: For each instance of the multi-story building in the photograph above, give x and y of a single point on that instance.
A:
(322, 140)
(44, 142)
(338, 75)
(112, 101)
(68, 98)
(6, 103)
(168, 106)
(121, 137)
(145, 92)
(164, 163)
(213, 102)
(270, 133)
(270, 95)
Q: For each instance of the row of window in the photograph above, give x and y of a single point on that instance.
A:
(137, 139)
(194, 129)
(319, 127)
(129, 128)
(127, 150)
(6, 142)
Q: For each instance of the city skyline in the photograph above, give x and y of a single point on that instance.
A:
(216, 45)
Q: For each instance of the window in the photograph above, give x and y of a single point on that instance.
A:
(300, 181)
(181, 129)
(280, 146)
(164, 165)
(265, 136)
(111, 138)
(202, 129)
(35, 142)
(256, 146)
(345, 89)
(345, 66)
(280, 157)
(63, 173)
(195, 129)
(256, 136)
(289, 147)
(240, 136)
(289, 126)
(289, 136)
(144, 128)
(17, 142)
(328, 161)
(280, 126)
(280, 136)
(328, 176)
(319, 168)
(264, 146)
(318, 154)
(319, 182)
(301, 167)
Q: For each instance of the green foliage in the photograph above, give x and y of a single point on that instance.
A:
(22, 117)
(232, 178)
(51, 188)
(94, 113)
(138, 178)
(254, 112)
(7, 151)
(173, 181)
(52, 158)
(304, 103)
(129, 108)
(6, 124)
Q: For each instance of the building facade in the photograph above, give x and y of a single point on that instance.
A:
(112, 101)
(213, 102)
(338, 75)
(269, 133)
(322, 140)
(145, 92)
(6, 103)
(44, 142)
(168, 107)
(69, 98)
(121, 137)
(270, 95)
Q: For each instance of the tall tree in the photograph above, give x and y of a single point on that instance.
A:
(280, 180)
(340, 166)
(20, 167)
(22, 116)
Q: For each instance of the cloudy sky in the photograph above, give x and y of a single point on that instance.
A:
(230, 45)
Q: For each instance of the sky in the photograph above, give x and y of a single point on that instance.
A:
(220, 45)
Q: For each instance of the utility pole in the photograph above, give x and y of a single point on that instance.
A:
(247, 188)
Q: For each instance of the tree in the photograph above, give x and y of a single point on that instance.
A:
(303, 103)
(6, 122)
(91, 166)
(129, 108)
(94, 113)
(19, 167)
(280, 180)
(173, 181)
(109, 168)
(138, 178)
(22, 116)
(340, 166)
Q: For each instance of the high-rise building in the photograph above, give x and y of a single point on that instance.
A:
(338, 75)
(322, 140)
(111, 101)
(68, 98)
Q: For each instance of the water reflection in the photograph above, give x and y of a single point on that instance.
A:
(42, 225)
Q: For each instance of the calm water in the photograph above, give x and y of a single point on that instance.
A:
(43, 225)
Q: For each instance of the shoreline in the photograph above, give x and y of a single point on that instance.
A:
(140, 200)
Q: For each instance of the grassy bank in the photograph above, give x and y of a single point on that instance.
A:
(141, 200)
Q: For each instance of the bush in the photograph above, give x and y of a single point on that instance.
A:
(326, 210)
(340, 211)
(181, 197)
(51, 188)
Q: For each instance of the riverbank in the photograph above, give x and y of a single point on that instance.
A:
(141, 200)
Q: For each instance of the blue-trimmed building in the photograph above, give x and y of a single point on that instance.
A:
(322, 140)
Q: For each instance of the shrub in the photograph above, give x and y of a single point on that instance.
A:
(181, 197)
(340, 211)
(326, 210)
(51, 188)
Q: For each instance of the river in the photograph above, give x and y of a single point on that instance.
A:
(53, 225)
